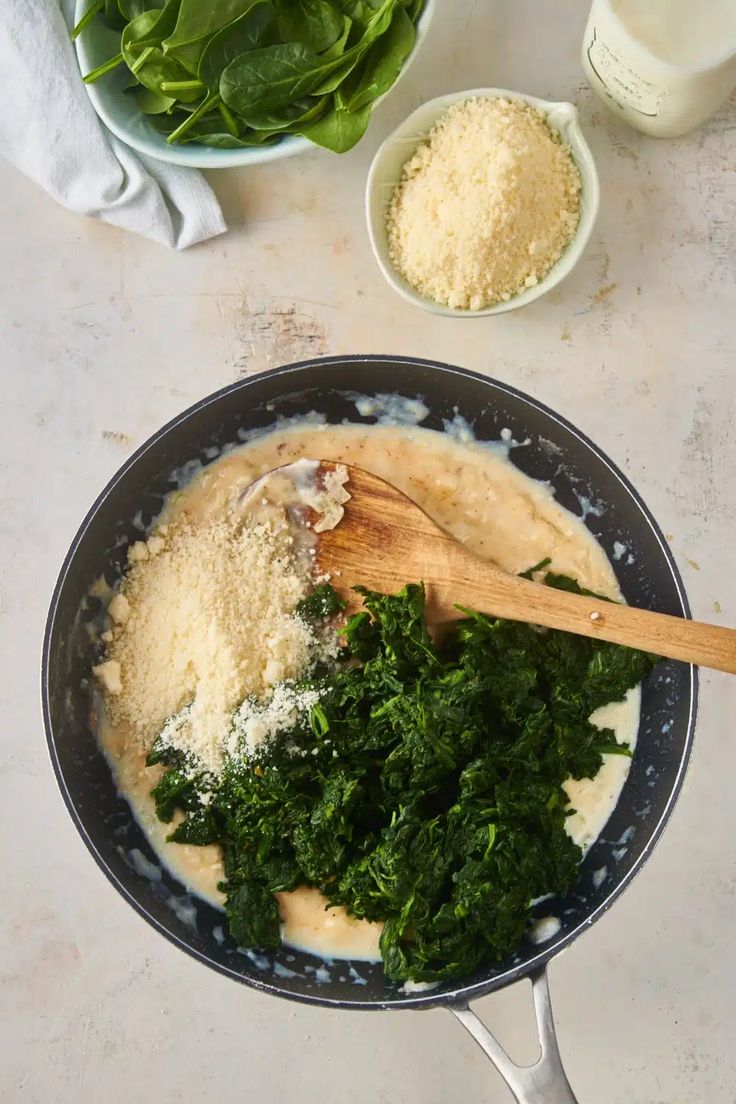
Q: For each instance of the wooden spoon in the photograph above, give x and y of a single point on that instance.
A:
(385, 540)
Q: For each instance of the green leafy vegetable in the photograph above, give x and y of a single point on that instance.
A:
(338, 47)
(95, 7)
(323, 602)
(127, 10)
(146, 59)
(236, 73)
(340, 130)
(315, 23)
(227, 141)
(291, 119)
(382, 65)
(247, 33)
(153, 103)
(425, 787)
(272, 77)
(196, 23)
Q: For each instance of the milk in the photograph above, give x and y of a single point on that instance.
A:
(662, 65)
(686, 33)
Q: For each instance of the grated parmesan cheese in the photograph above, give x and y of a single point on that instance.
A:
(330, 502)
(256, 722)
(119, 609)
(485, 206)
(108, 674)
(203, 620)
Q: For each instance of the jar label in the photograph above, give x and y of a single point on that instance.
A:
(622, 83)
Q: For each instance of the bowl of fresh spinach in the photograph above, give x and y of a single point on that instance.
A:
(221, 83)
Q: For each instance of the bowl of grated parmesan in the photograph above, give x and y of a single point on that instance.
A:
(481, 201)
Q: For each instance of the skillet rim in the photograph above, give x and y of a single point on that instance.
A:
(463, 994)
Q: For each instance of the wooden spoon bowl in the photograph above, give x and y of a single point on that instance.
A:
(384, 540)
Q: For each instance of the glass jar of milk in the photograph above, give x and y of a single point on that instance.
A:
(662, 65)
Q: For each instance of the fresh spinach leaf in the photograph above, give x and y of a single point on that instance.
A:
(152, 103)
(351, 58)
(144, 56)
(197, 21)
(315, 23)
(225, 140)
(244, 34)
(414, 9)
(94, 9)
(266, 67)
(382, 65)
(337, 49)
(275, 76)
(272, 77)
(289, 119)
(150, 27)
(360, 12)
(131, 9)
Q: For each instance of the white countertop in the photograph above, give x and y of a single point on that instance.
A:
(105, 337)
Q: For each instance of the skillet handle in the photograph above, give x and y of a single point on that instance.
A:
(544, 1082)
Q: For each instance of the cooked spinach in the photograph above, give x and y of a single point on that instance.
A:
(425, 787)
(232, 73)
(323, 602)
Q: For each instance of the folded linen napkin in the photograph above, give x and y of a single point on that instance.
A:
(49, 130)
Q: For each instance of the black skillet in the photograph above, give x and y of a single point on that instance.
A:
(585, 481)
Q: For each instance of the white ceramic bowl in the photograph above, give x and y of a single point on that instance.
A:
(385, 173)
(119, 113)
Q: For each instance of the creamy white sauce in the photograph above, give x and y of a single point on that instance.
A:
(599, 876)
(419, 986)
(594, 798)
(544, 929)
(308, 925)
(476, 494)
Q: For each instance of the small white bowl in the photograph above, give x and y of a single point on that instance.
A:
(120, 114)
(385, 174)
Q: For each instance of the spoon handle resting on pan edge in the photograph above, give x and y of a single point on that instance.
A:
(385, 540)
(660, 633)
(544, 1082)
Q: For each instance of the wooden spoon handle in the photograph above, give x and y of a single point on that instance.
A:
(523, 600)
(386, 540)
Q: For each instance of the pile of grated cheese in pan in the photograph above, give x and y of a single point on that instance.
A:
(204, 620)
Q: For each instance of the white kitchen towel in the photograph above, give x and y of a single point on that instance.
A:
(49, 129)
